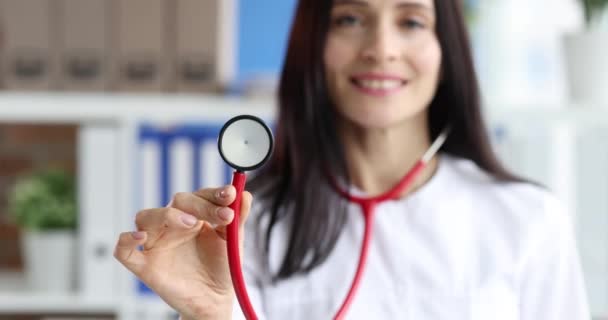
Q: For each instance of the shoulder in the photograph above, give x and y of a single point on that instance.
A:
(522, 212)
(475, 184)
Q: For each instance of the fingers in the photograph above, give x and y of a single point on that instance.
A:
(163, 218)
(183, 215)
(222, 196)
(204, 209)
(169, 223)
(246, 200)
(127, 253)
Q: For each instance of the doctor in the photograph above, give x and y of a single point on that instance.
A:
(367, 85)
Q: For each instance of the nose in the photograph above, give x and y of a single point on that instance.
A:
(381, 45)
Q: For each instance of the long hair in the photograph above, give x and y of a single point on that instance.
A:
(292, 185)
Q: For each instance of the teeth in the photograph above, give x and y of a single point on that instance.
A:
(379, 84)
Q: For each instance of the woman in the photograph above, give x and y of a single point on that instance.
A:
(366, 87)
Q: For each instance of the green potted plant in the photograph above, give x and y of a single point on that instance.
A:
(595, 11)
(586, 53)
(43, 205)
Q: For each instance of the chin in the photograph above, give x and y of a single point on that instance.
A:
(378, 117)
(373, 120)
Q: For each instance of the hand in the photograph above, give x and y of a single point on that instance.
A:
(184, 257)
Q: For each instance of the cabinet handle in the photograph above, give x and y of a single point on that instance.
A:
(29, 65)
(83, 66)
(141, 71)
(196, 70)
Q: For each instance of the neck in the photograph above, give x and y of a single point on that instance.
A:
(379, 158)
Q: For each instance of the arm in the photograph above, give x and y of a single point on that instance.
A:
(552, 285)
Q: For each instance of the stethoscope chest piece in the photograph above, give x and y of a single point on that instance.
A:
(245, 142)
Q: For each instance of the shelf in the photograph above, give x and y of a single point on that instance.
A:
(16, 299)
(31, 303)
(80, 108)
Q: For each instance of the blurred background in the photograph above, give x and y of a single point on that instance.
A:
(111, 106)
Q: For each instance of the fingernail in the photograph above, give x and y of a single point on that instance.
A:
(223, 193)
(138, 235)
(225, 214)
(188, 220)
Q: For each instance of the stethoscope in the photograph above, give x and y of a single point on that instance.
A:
(245, 143)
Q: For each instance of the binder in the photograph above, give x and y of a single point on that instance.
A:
(141, 59)
(84, 53)
(99, 203)
(29, 60)
(204, 44)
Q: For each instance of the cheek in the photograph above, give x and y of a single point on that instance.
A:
(337, 55)
(335, 58)
(428, 60)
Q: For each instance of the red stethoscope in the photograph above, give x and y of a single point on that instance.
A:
(245, 143)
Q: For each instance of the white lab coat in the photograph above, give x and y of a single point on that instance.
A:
(461, 247)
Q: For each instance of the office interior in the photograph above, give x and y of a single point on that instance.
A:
(97, 91)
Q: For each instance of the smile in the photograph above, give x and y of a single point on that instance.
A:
(378, 86)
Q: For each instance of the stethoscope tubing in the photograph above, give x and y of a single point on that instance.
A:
(367, 205)
(232, 243)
